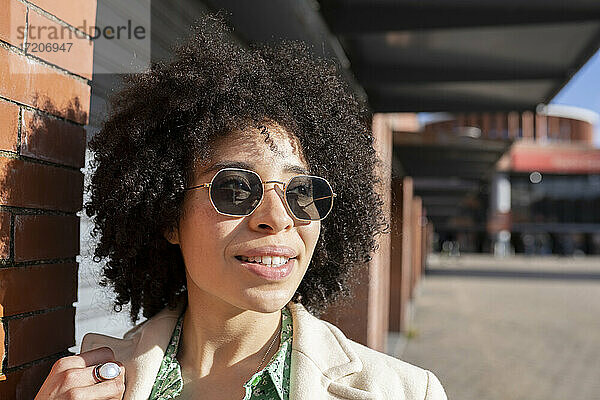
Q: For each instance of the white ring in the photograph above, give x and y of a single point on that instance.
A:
(106, 371)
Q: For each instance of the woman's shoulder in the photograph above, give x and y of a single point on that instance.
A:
(154, 328)
(349, 365)
(379, 364)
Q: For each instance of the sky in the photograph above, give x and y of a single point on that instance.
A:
(583, 90)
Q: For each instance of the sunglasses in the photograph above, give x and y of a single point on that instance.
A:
(238, 192)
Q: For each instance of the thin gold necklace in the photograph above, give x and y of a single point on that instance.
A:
(268, 350)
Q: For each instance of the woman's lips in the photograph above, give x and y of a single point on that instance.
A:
(270, 273)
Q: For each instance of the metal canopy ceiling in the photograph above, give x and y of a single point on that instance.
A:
(474, 159)
(463, 55)
(268, 21)
(435, 55)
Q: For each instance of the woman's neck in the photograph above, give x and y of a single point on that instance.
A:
(218, 336)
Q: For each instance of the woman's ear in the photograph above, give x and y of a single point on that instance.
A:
(172, 236)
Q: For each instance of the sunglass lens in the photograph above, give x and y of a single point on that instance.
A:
(309, 197)
(236, 192)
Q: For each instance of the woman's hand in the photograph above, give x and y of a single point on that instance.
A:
(73, 378)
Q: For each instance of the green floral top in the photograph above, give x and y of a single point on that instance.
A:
(270, 383)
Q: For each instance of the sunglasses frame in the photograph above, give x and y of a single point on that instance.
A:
(284, 184)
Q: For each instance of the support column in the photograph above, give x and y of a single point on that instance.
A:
(366, 319)
(416, 266)
(425, 247)
(401, 256)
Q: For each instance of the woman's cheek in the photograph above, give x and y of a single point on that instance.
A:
(312, 236)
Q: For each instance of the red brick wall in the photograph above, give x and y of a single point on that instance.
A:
(44, 105)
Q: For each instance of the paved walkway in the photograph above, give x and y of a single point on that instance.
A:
(524, 328)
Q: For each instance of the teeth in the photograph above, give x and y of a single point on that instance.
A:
(273, 261)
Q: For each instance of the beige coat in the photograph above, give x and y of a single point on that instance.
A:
(324, 364)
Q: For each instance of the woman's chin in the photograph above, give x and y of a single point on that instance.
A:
(257, 298)
(268, 302)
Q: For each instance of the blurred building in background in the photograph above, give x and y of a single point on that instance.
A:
(541, 197)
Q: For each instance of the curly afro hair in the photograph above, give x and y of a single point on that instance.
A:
(163, 122)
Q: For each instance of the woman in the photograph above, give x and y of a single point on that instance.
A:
(214, 199)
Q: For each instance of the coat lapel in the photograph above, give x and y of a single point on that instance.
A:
(321, 355)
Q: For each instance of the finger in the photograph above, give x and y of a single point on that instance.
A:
(111, 389)
(98, 356)
(82, 377)
(68, 383)
(83, 360)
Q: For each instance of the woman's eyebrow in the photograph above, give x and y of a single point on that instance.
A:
(289, 168)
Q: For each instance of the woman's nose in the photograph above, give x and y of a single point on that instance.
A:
(272, 214)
